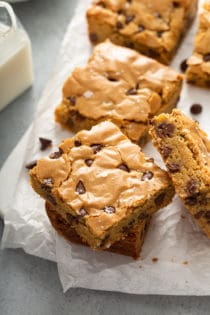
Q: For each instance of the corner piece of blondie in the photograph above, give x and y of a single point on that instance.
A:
(184, 149)
(153, 27)
(120, 85)
(198, 65)
(101, 183)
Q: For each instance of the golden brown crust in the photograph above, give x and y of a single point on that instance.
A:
(183, 146)
(102, 182)
(130, 244)
(119, 85)
(198, 71)
(154, 28)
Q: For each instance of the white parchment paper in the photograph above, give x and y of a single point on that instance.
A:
(182, 250)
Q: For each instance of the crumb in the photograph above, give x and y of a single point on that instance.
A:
(155, 259)
(185, 262)
(183, 216)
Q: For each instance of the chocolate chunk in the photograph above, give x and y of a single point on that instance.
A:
(51, 200)
(45, 143)
(77, 143)
(48, 181)
(147, 176)
(129, 18)
(93, 37)
(124, 167)
(129, 44)
(89, 162)
(165, 130)
(96, 147)
(109, 209)
(70, 218)
(166, 151)
(72, 100)
(198, 215)
(141, 28)
(56, 155)
(82, 212)
(173, 167)
(176, 4)
(191, 186)
(183, 65)
(31, 164)
(206, 57)
(196, 109)
(80, 188)
(159, 199)
(131, 91)
(119, 25)
(207, 214)
(191, 201)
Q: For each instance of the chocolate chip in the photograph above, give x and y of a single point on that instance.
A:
(48, 181)
(196, 109)
(51, 200)
(147, 176)
(191, 201)
(80, 188)
(82, 212)
(153, 53)
(159, 199)
(131, 91)
(31, 164)
(183, 65)
(176, 4)
(72, 100)
(141, 28)
(198, 215)
(123, 167)
(129, 18)
(77, 143)
(56, 155)
(96, 147)
(173, 167)
(70, 218)
(157, 15)
(112, 79)
(206, 57)
(93, 37)
(165, 130)
(129, 44)
(89, 162)
(131, 235)
(191, 186)
(166, 151)
(159, 33)
(120, 11)
(207, 214)
(45, 143)
(119, 25)
(109, 209)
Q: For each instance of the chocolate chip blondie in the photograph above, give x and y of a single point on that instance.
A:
(101, 183)
(153, 27)
(130, 244)
(198, 70)
(184, 149)
(120, 85)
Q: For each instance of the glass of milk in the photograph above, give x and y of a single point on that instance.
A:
(15, 57)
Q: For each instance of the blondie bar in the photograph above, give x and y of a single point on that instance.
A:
(130, 244)
(153, 27)
(101, 183)
(184, 148)
(120, 85)
(198, 70)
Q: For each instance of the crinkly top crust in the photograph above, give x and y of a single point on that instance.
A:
(101, 175)
(201, 54)
(120, 84)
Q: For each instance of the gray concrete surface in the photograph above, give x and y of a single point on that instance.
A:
(29, 285)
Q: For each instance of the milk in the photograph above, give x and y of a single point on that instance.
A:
(15, 63)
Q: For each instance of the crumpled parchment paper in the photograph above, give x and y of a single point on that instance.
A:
(181, 249)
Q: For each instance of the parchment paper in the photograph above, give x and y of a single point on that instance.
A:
(182, 250)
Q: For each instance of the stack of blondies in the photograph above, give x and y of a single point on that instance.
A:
(100, 189)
